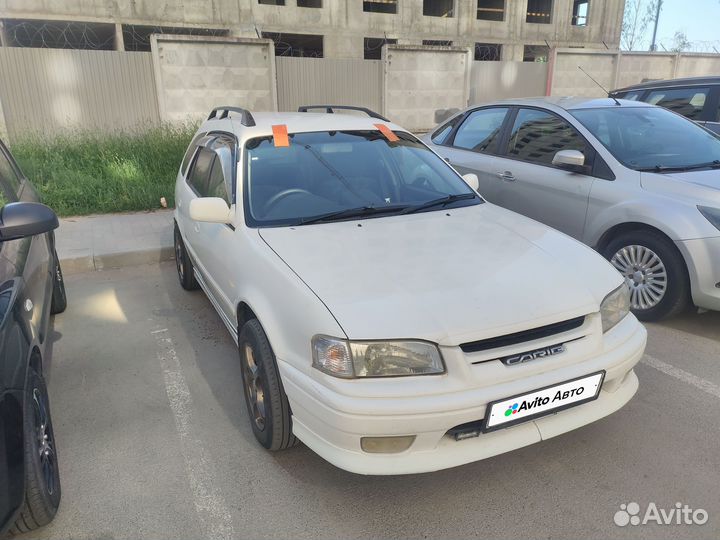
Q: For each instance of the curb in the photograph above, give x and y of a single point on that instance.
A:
(106, 261)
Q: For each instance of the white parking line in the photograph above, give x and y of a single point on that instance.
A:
(680, 374)
(209, 502)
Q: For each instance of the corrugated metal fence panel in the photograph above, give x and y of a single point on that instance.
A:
(312, 81)
(503, 80)
(59, 90)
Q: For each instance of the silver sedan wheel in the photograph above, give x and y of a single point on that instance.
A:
(645, 274)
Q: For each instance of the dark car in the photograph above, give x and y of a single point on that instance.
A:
(696, 98)
(31, 289)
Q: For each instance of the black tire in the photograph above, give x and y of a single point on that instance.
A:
(677, 292)
(185, 268)
(270, 420)
(42, 478)
(59, 297)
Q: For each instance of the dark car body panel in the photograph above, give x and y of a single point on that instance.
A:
(709, 117)
(26, 282)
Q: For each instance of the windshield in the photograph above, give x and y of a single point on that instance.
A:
(330, 176)
(652, 138)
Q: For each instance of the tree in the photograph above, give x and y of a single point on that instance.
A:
(636, 19)
(680, 42)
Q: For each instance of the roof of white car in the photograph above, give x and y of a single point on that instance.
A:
(298, 122)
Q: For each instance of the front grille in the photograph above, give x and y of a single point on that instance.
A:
(522, 337)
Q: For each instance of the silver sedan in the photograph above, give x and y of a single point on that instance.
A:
(637, 182)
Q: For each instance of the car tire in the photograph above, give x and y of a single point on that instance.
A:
(183, 264)
(267, 403)
(59, 297)
(42, 478)
(642, 257)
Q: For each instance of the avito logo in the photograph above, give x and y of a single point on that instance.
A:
(540, 401)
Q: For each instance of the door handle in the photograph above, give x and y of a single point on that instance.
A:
(507, 176)
(196, 226)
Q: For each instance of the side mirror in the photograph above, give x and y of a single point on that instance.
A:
(23, 219)
(472, 180)
(211, 210)
(571, 160)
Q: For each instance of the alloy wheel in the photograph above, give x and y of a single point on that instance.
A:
(45, 443)
(644, 273)
(254, 387)
(179, 257)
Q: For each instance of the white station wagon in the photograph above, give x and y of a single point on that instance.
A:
(385, 314)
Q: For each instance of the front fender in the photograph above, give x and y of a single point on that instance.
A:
(677, 220)
(288, 310)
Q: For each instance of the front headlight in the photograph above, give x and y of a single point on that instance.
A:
(711, 214)
(615, 306)
(342, 358)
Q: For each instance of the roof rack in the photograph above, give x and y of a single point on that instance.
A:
(330, 109)
(246, 118)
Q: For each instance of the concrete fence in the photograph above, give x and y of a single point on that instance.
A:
(615, 69)
(54, 91)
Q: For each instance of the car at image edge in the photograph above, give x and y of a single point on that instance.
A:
(385, 314)
(638, 183)
(695, 98)
(31, 289)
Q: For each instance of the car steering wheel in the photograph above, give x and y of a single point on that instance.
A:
(421, 181)
(284, 193)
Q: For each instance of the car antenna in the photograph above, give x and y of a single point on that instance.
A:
(601, 86)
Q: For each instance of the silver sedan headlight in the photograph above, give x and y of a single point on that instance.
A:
(711, 214)
(615, 307)
(342, 358)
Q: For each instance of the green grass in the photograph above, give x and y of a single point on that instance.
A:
(89, 173)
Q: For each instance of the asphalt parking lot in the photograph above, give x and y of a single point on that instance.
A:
(154, 442)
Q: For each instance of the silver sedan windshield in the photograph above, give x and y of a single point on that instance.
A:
(652, 138)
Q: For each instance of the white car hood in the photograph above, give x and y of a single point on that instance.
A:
(448, 276)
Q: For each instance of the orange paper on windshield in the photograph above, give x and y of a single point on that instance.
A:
(280, 135)
(389, 135)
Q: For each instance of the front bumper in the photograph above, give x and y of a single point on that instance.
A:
(332, 423)
(702, 257)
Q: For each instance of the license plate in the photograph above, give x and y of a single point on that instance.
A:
(551, 399)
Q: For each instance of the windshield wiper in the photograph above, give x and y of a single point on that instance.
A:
(715, 164)
(349, 213)
(442, 201)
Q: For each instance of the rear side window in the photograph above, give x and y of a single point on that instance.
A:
(216, 184)
(688, 102)
(198, 175)
(481, 130)
(441, 134)
(190, 152)
(9, 180)
(537, 136)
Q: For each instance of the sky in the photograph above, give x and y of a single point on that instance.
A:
(699, 19)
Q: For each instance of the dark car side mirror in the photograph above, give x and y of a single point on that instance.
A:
(23, 219)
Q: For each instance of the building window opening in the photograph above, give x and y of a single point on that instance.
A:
(536, 53)
(59, 34)
(491, 10)
(306, 45)
(488, 52)
(539, 11)
(137, 37)
(373, 47)
(380, 6)
(438, 8)
(580, 12)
